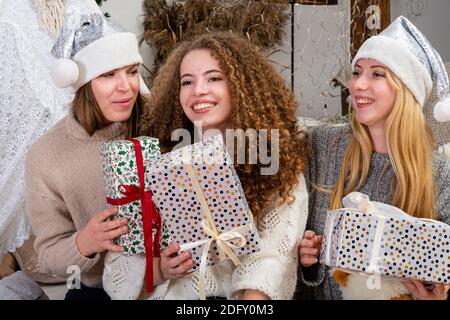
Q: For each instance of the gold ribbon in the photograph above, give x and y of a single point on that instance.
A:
(224, 240)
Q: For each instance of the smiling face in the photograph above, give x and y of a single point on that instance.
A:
(116, 92)
(204, 91)
(372, 95)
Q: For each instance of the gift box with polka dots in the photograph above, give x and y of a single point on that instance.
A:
(179, 204)
(357, 241)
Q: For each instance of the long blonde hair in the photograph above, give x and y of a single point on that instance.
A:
(410, 148)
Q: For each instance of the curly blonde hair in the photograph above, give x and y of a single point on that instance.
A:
(264, 100)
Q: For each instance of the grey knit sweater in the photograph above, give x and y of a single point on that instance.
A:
(328, 145)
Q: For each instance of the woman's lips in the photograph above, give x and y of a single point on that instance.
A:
(362, 106)
(124, 103)
(203, 107)
(363, 102)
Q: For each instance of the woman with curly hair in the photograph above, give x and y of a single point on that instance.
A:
(219, 81)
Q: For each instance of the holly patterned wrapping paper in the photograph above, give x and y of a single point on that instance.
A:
(120, 169)
(180, 205)
(381, 239)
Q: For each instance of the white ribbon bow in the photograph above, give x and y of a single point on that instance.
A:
(223, 240)
(224, 244)
(357, 201)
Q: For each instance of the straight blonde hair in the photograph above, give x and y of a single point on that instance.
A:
(410, 148)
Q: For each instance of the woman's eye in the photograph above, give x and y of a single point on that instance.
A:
(378, 74)
(355, 73)
(134, 71)
(108, 75)
(212, 79)
(186, 82)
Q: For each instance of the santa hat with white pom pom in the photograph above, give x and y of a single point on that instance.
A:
(88, 46)
(408, 54)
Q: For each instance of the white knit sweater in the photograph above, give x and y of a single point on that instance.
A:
(272, 270)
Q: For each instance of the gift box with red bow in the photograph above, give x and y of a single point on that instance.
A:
(125, 167)
(124, 188)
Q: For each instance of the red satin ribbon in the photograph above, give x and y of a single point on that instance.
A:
(150, 215)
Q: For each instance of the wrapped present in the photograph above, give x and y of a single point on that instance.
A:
(379, 239)
(201, 200)
(126, 173)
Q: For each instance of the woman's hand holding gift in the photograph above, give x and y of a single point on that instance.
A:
(98, 234)
(436, 291)
(175, 265)
(309, 249)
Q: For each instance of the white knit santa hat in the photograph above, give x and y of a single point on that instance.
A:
(89, 46)
(408, 54)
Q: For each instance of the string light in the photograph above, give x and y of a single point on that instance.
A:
(322, 37)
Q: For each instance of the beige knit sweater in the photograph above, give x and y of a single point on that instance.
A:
(64, 188)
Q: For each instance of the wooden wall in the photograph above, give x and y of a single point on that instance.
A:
(369, 17)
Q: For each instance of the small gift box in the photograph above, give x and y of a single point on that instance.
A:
(200, 199)
(125, 166)
(376, 238)
(120, 167)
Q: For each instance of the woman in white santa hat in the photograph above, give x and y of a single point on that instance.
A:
(386, 153)
(65, 191)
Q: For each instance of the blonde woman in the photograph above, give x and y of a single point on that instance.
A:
(386, 153)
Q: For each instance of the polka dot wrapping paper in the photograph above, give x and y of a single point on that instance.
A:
(119, 168)
(384, 240)
(180, 204)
